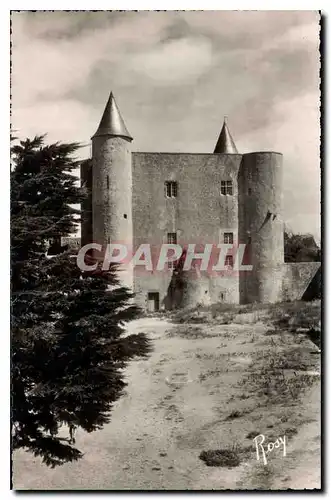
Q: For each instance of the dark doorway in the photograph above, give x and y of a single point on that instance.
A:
(153, 302)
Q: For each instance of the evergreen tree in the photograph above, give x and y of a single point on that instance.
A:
(67, 347)
(300, 248)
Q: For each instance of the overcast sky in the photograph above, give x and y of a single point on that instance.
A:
(174, 76)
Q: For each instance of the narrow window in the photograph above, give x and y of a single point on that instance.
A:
(229, 261)
(249, 240)
(172, 238)
(226, 187)
(228, 238)
(170, 189)
(249, 191)
(153, 301)
(107, 181)
(125, 216)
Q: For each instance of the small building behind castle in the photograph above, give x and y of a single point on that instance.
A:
(221, 197)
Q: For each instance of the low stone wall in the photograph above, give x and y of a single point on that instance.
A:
(297, 277)
(190, 288)
(186, 289)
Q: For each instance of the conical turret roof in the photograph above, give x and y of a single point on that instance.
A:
(225, 143)
(112, 122)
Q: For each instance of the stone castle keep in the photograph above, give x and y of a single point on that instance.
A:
(222, 197)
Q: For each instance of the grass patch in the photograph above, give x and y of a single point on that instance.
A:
(276, 360)
(220, 458)
(297, 315)
(187, 332)
(197, 315)
(211, 373)
(234, 414)
(263, 478)
(290, 316)
(277, 384)
(290, 432)
(253, 434)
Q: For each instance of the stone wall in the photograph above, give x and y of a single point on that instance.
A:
(296, 278)
(203, 288)
(130, 206)
(199, 214)
(145, 282)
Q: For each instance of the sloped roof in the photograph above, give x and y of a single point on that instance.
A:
(225, 143)
(112, 122)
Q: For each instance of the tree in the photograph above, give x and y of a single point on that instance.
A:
(67, 326)
(301, 248)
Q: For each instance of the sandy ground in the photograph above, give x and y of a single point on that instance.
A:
(177, 404)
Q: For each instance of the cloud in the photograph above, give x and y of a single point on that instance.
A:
(177, 62)
(249, 29)
(175, 75)
(61, 120)
(54, 66)
(296, 135)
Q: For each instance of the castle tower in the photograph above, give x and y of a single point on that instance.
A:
(112, 184)
(225, 143)
(261, 226)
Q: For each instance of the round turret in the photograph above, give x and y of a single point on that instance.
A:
(112, 185)
(261, 226)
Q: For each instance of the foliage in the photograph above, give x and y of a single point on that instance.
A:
(301, 248)
(68, 351)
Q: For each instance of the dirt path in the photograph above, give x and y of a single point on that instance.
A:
(176, 405)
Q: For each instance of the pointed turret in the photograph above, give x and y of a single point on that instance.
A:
(112, 123)
(112, 185)
(225, 143)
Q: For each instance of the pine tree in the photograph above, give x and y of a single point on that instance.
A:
(67, 347)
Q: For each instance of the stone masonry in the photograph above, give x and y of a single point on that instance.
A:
(137, 198)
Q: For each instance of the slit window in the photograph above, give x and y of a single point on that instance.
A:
(172, 238)
(107, 181)
(226, 187)
(229, 261)
(170, 189)
(228, 238)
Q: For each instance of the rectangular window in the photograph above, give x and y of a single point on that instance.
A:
(229, 260)
(170, 189)
(228, 238)
(226, 187)
(153, 301)
(172, 238)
